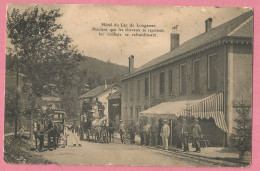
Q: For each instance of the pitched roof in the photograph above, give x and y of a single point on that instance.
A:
(241, 26)
(96, 91)
(115, 95)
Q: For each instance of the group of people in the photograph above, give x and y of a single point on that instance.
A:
(158, 134)
(56, 135)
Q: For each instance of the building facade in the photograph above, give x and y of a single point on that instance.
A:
(218, 61)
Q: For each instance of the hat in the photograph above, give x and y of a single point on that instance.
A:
(120, 121)
(196, 121)
(165, 120)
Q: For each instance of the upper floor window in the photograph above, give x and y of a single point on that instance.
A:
(212, 72)
(196, 75)
(183, 78)
(146, 87)
(137, 112)
(131, 91)
(138, 89)
(162, 83)
(131, 113)
(126, 92)
(153, 85)
(170, 79)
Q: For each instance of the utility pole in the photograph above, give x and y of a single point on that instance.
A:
(17, 102)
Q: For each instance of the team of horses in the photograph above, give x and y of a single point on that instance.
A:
(46, 128)
(99, 130)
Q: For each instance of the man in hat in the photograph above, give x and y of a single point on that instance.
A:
(122, 131)
(196, 135)
(165, 133)
(132, 131)
(185, 135)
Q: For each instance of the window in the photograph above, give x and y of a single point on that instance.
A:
(162, 83)
(126, 92)
(131, 113)
(170, 82)
(131, 91)
(146, 87)
(153, 85)
(126, 114)
(212, 72)
(138, 89)
(196, 75)
(183, 78)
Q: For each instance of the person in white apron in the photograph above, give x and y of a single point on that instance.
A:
(75, 138)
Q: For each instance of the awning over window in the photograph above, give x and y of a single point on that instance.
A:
(209, 107)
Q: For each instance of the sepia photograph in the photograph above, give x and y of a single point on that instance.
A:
(128, 85)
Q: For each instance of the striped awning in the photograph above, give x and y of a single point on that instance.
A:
(209, 107)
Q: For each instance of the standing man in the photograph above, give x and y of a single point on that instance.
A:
(165, 133)
(111, 131)
(41, 135)
(185, 135)
(154, 132)
(132, 131)
(80, 132)
(146, 132)
(159, 138)
(122, 131)
(196, 135)
(178, 129)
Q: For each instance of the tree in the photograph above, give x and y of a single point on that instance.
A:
(243, 128)
(46, 55)
(10, 108)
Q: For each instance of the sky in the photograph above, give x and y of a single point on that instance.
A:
(78, 22)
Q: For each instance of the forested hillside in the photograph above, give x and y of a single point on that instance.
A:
(94, 72)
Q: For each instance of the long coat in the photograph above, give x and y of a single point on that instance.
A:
(165, 131)
(196, 131)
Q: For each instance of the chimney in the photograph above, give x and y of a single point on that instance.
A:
(208, 24)
(175, 38)
(131, 64)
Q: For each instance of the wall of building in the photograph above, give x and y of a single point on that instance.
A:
(239, 83)
(176, 95)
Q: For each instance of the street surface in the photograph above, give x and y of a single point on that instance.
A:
(115, 154)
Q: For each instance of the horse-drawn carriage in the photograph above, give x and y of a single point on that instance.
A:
(97, 129)
(94, 123)
(50, 128)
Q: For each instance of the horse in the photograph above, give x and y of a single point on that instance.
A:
(53, 130)
(36, 130)
(98, 129)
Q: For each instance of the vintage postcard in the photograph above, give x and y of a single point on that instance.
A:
(128, 85)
